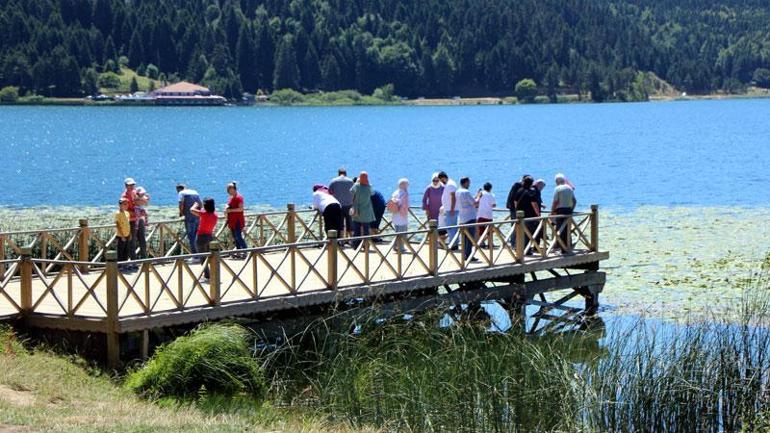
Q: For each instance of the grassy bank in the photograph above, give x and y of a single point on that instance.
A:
(41, 391)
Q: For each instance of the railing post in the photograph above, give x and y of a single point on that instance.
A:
(433, 247)
(321, 227)
(25, 271)
(331, 259)
(594, 227)
(521, 236)
(83, 244)
(111, 325)
(291, 236)
(2, 257)
(161, 241)
(214, 272)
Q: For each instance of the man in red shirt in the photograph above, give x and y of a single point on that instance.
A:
(236, 220)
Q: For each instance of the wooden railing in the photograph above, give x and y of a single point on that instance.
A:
(167, 238)
(296, 265)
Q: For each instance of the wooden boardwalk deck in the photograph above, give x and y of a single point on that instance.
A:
(294, 267)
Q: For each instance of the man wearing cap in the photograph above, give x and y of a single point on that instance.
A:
(187, 198)
(133, 200)
(340, 187)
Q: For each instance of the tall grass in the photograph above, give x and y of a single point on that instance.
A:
(705, 376)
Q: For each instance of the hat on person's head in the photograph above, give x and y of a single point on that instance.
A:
(181, 186)
(540, 182)
(129, 181)
(402, 181)
(140, 190)
(123, 200)
(559, 178)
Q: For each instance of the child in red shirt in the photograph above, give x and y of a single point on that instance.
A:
(208, 222)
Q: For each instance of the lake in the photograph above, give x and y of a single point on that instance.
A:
(689, 153)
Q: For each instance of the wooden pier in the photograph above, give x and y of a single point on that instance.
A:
(69, 279)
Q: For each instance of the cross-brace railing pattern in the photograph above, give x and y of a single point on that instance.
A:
(112, 290)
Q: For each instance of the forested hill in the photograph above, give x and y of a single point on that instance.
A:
(423, 47)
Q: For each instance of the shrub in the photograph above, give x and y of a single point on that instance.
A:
(109, 80)
(761, 77)
(526, 90)
(287, 97)
(152, 71)
(386, 93)
(9, 94)
(214, 359)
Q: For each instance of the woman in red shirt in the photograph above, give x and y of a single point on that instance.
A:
(208, 222)
(235, 219)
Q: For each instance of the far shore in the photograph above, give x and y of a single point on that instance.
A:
(752, 93)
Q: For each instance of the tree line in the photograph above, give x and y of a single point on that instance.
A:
(430, 48)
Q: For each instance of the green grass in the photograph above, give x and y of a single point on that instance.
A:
(213, 359)
(125, 76)
(41, 391)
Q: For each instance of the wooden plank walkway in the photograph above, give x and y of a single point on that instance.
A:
(294, 268)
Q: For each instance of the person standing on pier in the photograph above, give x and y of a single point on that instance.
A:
(431, 198)
(378, 206)
(187, 199)
(467, 215)
(236, 221)
(123, 230)
(340, 188)
(141, 220)
(133, 200)
(448, 215)
(329, 207)
(487, 205)
(528, 201)
(207, 223)
(399, 207)
(563, 205)
(362, 211)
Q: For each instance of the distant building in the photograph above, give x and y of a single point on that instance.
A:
(184, 93)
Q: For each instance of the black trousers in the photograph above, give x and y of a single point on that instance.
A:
(202, 246)
(561, 224)
(333, 218)
(123, 246)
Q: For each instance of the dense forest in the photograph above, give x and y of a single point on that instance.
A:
(424, 48)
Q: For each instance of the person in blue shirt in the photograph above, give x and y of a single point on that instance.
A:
(378, 205)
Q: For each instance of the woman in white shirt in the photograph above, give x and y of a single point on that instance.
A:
(330, 208)
(399, 206)
(486, 207)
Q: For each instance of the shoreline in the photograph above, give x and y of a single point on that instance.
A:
(756, 93)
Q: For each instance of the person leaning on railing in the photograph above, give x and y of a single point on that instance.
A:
(187, 198)
(329, 207)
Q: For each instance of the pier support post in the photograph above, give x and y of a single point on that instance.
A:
(331, 259)
(84, 236)
(433, 247)
(25, 273)
(521, 236)
(594, 228)
(214, 273)
(111, 323)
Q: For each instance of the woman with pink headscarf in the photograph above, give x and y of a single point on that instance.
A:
(362, 210)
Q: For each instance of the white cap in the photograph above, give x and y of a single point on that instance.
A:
(559, 178)
(129, 181)
(140, 190)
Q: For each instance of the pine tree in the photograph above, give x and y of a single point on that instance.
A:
(286, 75)
(444, 70)
(134, 87)
(246, 59)
(311, 72)
(135, 50)
(330, 73)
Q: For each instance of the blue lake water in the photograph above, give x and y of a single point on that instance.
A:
(619, 155)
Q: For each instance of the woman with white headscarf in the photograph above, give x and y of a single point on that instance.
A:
(431, 198)
(399, 207)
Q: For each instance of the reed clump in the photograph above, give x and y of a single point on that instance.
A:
(212, 360)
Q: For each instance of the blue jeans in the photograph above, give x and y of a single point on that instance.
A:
(360, 229)
(467, 244)
(237, 231)
(450, 220)
(191, 228)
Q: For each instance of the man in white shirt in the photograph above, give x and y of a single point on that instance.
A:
(448, 214)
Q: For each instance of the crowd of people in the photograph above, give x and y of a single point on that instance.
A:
(353, 208)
